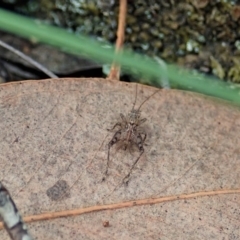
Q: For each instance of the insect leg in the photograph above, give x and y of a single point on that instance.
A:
(123, 117)
(144, 137)
(113, 141)
(117, 124)
(142, 121)
(139, 143)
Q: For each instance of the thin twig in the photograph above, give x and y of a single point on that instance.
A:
(133, 203)
(115, 69)
(28, 59)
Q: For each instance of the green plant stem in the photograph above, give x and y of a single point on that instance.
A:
(130, 62)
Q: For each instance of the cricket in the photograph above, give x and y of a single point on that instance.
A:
(129, 133)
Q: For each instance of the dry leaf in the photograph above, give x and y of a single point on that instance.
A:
(54, 149)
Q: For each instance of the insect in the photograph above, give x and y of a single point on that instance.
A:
(13, 223)
(129, 133)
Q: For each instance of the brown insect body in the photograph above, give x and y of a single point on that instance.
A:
(131, 124)
(129, 134)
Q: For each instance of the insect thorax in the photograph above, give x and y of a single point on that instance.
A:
(134, 116)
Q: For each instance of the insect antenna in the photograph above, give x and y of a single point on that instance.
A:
(135, 97)
(147, 99)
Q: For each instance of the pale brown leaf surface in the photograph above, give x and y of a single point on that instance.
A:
(53, 132)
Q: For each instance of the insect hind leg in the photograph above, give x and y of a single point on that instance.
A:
(114, 140)
(139, 144)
